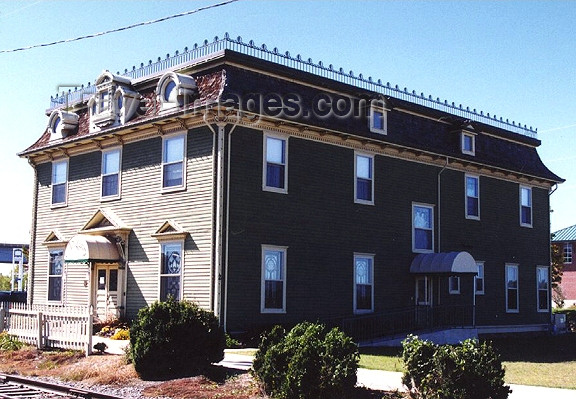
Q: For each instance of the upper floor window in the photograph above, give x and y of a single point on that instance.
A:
(378, 120)
(468, 141)
(61, 123)
(273, 297)
(363, 283)
(567, 253)
(542, 279)
(59, 182)
(364, 184)
(275, 174)
(422, 228)
(472, 197)
(512, 305)
(170, 270)
(111, 173)
(55, 271)
(525, 206)
(479, 279)
(175, 90)
(173, 155)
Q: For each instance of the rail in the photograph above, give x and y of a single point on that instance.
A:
(12, 386)
(274, 55)
(412, 319)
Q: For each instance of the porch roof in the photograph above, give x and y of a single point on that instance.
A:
(444, 263)
(90, 248)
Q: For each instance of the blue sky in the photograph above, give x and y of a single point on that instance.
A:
(515, 59)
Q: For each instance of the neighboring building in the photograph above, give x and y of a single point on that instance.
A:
(7, 262)
(566, 240)
(272, 190)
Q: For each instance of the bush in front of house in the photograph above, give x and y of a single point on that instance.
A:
(471, 370)
(174, 338)
(308, 362)
(9, 342)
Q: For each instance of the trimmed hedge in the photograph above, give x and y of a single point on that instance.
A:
(309, 362)
(175, 338)
(471, 370)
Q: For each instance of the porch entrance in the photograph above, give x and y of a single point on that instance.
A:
(106, 305)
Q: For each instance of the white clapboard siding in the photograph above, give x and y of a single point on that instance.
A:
(143, 207)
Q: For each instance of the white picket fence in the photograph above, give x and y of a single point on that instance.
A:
(48, 326)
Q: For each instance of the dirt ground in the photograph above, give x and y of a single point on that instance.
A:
(217, 383)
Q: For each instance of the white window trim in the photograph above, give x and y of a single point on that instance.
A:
(181, 274)
(66, 185)
(384, 112)
(564, 252)
(512, 265)
(184, 161)
(356, 310)
(119, 195)
(284, 251)
(453, 291)
(265, 187)
(420, 250)
(473, 137)
(531, 207)
(62, 281)
(466, 176)
(547, 269)
(356, 199)
(480, 265)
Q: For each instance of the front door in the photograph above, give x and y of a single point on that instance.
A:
(106, 303)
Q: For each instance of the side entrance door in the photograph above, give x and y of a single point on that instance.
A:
(106, 301)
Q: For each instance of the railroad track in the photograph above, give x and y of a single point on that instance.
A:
(12, 386)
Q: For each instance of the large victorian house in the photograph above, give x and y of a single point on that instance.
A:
(270, 189)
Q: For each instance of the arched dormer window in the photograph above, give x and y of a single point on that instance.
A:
(61, 124)
(175, 90)
(114, 102)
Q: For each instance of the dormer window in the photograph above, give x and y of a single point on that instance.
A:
(114, 102)
(468, 143)
(175, 90)
(61, 124)
(378, 117)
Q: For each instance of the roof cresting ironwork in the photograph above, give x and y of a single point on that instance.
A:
(297, 62)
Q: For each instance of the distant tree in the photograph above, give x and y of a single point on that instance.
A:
(5, 283)
(557, 264)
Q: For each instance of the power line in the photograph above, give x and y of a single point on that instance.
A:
(119, 29)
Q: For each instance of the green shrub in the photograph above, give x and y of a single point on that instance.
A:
(309, 362)
(471, 370)
(174, 338)
(9, 342)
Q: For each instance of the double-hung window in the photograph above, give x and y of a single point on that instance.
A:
(479, 279)
(111, 173)
(273, 294)
(472, 197)
(170, 270)
(364, 184)
(59, 182)
(363, 283)
(55, 271)
(567, 253)
(512, 305)
(275, 174)
(422, 228)
(173, 156)
(542, 283)
(525, 206)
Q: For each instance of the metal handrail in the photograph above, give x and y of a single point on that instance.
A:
(306, 65)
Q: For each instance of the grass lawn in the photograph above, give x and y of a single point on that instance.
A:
(548, 361)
